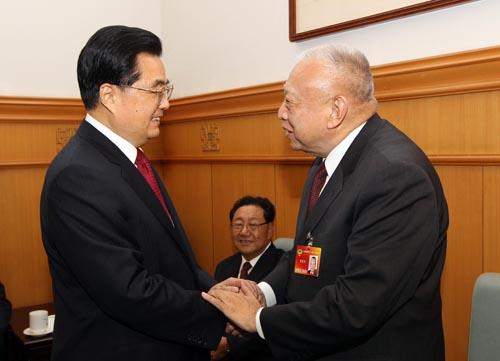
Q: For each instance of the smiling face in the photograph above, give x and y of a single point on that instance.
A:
(137, 113)
(250, 242)
(308, 107)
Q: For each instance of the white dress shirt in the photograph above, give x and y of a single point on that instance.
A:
(124, 145)
(253, 261)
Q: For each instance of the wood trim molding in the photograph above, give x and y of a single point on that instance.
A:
(25, 164)
(242, 101)
(463, 160)
(41, 110)
(463, 72)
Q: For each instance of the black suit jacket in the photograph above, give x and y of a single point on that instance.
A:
(5, 313)
(250, 347)
(230, 266)
(126, 283)
(381, 223)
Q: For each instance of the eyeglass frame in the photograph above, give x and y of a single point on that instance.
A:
(250, 226)
(166, 90)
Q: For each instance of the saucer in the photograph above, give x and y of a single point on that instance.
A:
(49, 329)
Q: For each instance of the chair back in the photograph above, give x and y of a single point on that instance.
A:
(286, 244)
(484, 335)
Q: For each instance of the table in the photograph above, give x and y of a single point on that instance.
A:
(29, 347)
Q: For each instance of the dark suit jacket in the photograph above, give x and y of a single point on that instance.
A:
(126, 283)
(250, 347)
(381, 224)
(230, 266)
(5, 313)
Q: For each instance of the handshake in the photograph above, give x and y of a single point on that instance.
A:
(239, 300)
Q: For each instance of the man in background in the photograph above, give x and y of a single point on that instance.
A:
(374, 215)
(252, 223)
(125, 280)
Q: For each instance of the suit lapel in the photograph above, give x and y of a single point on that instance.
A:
(335, 184)
(263, 265)
(305, 197)
(179, 231)
(129, 173)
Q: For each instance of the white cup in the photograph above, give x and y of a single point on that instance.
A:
(39, 320)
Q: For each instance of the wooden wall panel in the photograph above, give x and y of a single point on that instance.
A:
(492, 218)
(240, 137)
(23, 263)
(290, 180)
(230, 182)
(464, 261)
(463, 124)
(189, 186)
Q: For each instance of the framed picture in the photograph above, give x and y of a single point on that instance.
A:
(310, 18)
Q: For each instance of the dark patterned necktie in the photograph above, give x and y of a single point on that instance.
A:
(317, 185)
(244, 270)
(144, 166)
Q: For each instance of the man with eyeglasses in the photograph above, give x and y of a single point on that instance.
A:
(126, 282)
(252, 222)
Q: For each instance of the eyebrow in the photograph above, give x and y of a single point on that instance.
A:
(159, 82)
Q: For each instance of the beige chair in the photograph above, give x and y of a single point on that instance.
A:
(484, 335)
(286, 244)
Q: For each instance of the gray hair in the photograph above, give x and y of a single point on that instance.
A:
(348, 66)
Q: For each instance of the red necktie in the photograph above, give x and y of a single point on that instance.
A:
(317, 185)
(244, 270)
(144, 166)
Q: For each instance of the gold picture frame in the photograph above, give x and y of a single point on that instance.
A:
(310, 18)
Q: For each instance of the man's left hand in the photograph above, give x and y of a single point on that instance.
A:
(240, 308)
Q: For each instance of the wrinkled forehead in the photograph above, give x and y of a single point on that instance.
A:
(249, 211)
(308, 76)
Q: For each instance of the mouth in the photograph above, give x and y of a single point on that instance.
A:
(244, 241)
(288, 133)
(156, 120)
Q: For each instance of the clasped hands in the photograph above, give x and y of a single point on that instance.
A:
(239, 300)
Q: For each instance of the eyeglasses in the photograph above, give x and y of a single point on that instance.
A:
(238, 226)
(161, 94)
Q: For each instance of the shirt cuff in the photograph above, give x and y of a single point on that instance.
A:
(257, 323)
(268, 292)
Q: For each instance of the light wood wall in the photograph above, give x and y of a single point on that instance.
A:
(215, 148)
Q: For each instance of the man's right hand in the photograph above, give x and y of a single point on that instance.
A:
(235, 284)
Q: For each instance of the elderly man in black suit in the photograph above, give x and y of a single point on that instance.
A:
(252, 223)
(374, 215)
(126, 283)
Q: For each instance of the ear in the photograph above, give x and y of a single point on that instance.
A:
(108, 96)
(270, 230)
(338, 111)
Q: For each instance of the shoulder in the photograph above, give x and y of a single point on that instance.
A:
(226, 265)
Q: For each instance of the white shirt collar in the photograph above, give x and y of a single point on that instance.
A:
(333, 158)
(124, 145)
(254, 260)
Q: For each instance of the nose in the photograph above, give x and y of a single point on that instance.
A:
(282, 113)
(164, 104)
(245, 229)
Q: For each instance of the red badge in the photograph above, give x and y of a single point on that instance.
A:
(307, 260)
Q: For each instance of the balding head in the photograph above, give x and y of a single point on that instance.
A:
(346, 66)
(328, 94)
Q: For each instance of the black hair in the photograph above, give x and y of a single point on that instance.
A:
(110, 56)
(262, 202)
